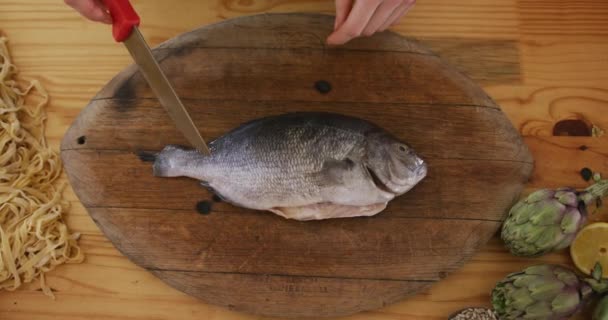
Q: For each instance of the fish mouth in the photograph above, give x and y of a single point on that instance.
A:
(421, 170)
(377, 182)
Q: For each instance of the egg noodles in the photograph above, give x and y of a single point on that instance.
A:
(33, 236)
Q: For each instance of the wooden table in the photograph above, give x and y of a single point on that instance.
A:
(563, 56)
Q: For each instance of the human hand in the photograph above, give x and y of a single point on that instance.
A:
(93, 10)
(366, 17)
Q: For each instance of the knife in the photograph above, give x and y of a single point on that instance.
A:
(125, 23)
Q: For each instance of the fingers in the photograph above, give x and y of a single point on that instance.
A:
(382, 14)
(343, 7)
(401, 11)
(355, 23)
(91, 9)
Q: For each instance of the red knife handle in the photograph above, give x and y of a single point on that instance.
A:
(124, 18)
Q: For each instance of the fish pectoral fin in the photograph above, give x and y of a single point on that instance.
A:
(326, 210)
(334, 171)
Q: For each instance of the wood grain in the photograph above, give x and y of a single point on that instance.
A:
(289, 75)
(238, 242)
(558, 43)
(418, 240)
(272, 294)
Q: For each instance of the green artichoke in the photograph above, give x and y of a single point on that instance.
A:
(543, 292)
(548, 220)
(601, 310)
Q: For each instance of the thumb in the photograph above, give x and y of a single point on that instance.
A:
(90, 9)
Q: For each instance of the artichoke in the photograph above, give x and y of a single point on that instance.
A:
(601, 310)
(543, 292)
(548, 220)
(600, 286)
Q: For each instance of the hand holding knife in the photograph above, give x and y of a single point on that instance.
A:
(125, 22)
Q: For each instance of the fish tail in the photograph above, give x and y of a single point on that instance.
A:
(145, 156)
(171, 161)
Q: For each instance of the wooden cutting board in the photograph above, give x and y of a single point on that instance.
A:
(257, 262)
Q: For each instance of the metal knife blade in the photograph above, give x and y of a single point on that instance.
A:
(149, 67)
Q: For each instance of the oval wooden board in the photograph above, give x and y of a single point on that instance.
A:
(256, 262)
